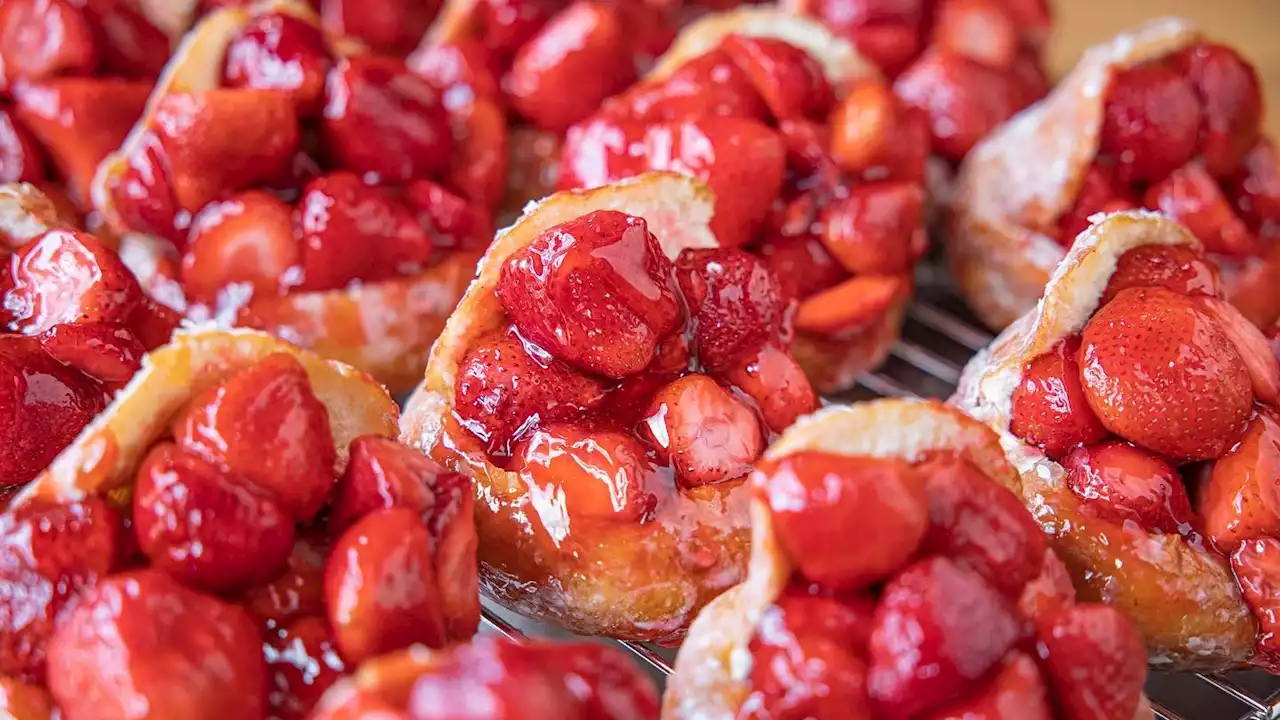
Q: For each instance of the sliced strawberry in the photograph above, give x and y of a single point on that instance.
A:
(852, 305)
(1231, 97)
(302, 662)
(579, 58)
(1194, 199)
(777, 384)
(1093, 660)
(802, 611)
(1256, 564)
(1016, 692)
(878, 229)
(811, 166)
(1121, 483)
(505, 25)
(181, 653)
(801, 263)
(108, 353)
(209, 529)
(710, 85)
(143, 194)
(981, 526)
(478, 166)
(1256, 190)
(980, 30)
(1241, 498)
(266, 425)
(706, 434)
(1160, 372)
(874, 136)
(383, 121)
(843, 15)
(1049, 408)
(152, 323)
(599, 150)
(811, 676)
(1151, 122)
(390, 27)
(736, 303)
(1050, 590)
(453, 223)
(789, 80)
(43, 38)
(461, 63)
(1264, 372)
(128, 44)
(1099, 192)
(247, 239)
(1179, 268)
(600, 475)
(596, 292)
(875, 504)
(21, 157)
(939, 628)
(222, 140)
(891, 47)
(297, 593)
(67, 276)
(279, 51)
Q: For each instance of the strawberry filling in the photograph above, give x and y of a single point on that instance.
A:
(242, 575)
(308, 170)
(952, 608)
(1167, 389)
(1181, 135)
(969, 65)
(620, 379)
(828, 193)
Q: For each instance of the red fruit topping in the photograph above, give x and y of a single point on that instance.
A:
(1252, 346)
(579, 58)
(302, 662)
(129, 45)
(452, 221)
(1049, 408)
(1194, 199)
(1257, 567)
(179, 653)
(777, 384)
(478, 167)
(1160, 372)
(1150, 122)
(1256, 190)
(805, 676)
(43, 38)
(877, 505)
(980, 30)
(878, 229)
(143, 194)
(801, 264)
(791, 83)
(939, 628)
(279, 51)
(297, 593)
(1017, 692)
(221, 140)
(708, 86)
(349, 231)
(21, 158)
(889, 47)
(506, 25)
(209, 529)
(588, 475)
(246, 239)
(1099, 193)
(383, 122)
(1241, 498)
(699, 428)
(981, 526)
(1093, 660)
(1050, 590)
(1121, 483)
(49, 554)
(813, 611)
(390, 27)
(1231, 98)
(67, 276)
(266, 425)
(600, 150)
(507, 387)
(462, 63)
(596, 292)
(43, 407)
(874, 136)
(108, 353)
(380, 586)
(735, 301)
(852, 305)
(1179, 268)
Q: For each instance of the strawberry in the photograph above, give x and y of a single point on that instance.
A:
(1099, 192)
(1256, 190)
(43, 38)
(810, 166)
(843, 15)
(1016, 692)
(939, 628)
(801, 612)
(452, 222)
(981, 526)
(599, 150)
(390, 27)
(708, 86)
(380, 586)
(981, 30)
(1051, 589)
(478, 165)
(878, 229)
(222, 140)
(1264, 372)
(788, 79)
(460, 63)
(143, 194)
(266, 425)
(1034, 19)
(21, 157)
(1160, 372)
(279, 51)
(810, 677)
(506, 387)
(596, 292)
(1049, 409)
(108, 353)
(50, 554)
(874, 136)
(152, 323)
(700, 429)
(68, 276)
(735, 301)
(383, 122)
(777, 384)
(246, 239)
(801, 263)
(128, 44)
(600, 475)
(302, 662)
(605, 681)
(1230, 94)
(296, 593)
(181, 654)
(505, 25)
(890, 47)
(579, 58)
(1150, 122)
(871, 503)
(1093, 660)
(1194, 199)
(1179, 268)
(1121, 483)
(1256, 564)
(852, 305)
(1241, 497)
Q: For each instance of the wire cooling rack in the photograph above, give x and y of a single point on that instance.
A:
(938, 337)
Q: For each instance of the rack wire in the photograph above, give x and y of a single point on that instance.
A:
(938, 337)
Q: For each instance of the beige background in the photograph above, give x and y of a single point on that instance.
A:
(1251, 26)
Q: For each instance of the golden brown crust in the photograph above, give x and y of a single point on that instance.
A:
(108, 451)
(25, 213)
(709, 682)
(1183, 599)
(1015, 184)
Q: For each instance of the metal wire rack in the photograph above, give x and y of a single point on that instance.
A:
(938, 337)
